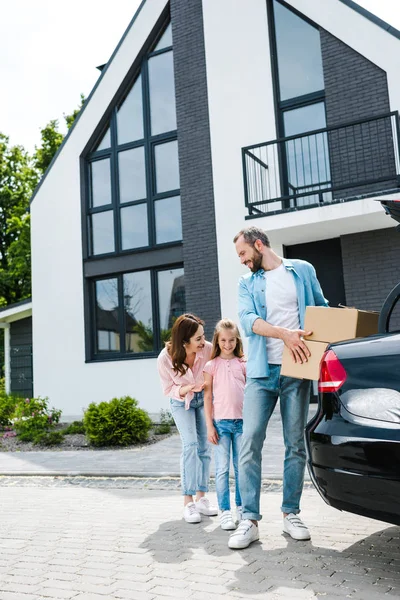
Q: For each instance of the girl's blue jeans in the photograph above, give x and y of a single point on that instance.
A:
(196, 450)
(230, 435)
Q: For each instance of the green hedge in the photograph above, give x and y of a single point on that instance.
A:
(119, 422)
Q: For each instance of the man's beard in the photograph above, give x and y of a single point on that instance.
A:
(256, 259)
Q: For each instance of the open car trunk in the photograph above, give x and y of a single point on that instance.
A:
(392, 208)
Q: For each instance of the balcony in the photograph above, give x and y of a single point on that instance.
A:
(326, 166)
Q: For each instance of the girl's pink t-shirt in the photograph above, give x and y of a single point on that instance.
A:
(228, 378)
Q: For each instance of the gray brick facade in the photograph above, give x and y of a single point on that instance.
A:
(356, 89)
(197, 194)
(371, 268)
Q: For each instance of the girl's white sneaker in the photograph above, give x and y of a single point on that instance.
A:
(226, 521)
(205, 507)
(190, 513)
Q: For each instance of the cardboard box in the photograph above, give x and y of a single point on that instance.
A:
(339, 324)
(305, 370)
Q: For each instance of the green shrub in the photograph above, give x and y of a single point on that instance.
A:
(74, 427)
(118, 422)
(166, 420)
(7, 407)
(49, 438)
(32, 417)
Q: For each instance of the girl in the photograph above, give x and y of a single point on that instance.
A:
(180, 366)
(225, 377)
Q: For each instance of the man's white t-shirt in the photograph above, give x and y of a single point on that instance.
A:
(282, 308)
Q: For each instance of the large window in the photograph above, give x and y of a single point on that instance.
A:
(299, 54)
(133, 261)
(133, 172)
(301, 104)
(134, 312)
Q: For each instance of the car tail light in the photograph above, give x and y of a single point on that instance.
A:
(332, 374)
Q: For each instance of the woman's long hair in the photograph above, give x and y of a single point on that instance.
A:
(227, 324)
(183, 329)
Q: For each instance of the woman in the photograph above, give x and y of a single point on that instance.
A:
(180, 366)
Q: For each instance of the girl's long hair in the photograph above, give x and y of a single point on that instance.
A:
(183, 329)
(230, 325)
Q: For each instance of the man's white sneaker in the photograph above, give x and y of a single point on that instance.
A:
(244, 535)
(294, 526)
(239, 514)
(226, 521)
(190, 513)
(204, 507)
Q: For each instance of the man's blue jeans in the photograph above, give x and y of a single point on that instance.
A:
(260, 398)
(230, 435)
(196, 451)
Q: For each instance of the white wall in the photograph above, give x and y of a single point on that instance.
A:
(241, 109)
(59, 365)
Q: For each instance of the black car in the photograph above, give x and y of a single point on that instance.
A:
(353, 441)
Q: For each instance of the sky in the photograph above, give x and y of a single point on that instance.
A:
(49, 51)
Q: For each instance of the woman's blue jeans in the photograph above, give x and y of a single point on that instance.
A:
(260, 398)
(196, 450)
(230, 435)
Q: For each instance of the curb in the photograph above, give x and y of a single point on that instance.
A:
(113, 474)
(270, 480)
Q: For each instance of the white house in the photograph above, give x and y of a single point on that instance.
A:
(211, 116)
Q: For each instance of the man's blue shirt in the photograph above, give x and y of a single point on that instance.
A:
(252, 306)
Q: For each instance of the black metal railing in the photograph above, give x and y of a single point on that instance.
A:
(323, 166)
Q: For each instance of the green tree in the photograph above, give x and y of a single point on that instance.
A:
(18, 179)
(19, 175)
(52, 139)
(70, 119)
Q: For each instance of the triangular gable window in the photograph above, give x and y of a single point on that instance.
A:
(105, 142)
(130, 115)
(165, 40)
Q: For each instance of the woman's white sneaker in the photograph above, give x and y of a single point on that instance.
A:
(226, 520)
(205, 507)
(294, 526)
(245, 534)
(190, 513)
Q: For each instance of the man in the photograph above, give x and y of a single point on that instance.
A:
(272, 304)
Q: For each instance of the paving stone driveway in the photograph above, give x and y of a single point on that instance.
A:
(118, 539)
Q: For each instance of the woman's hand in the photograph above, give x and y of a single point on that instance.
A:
(199, 388)
(212, 435)
(185, 389)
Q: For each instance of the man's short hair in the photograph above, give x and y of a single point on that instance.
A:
(251, 234)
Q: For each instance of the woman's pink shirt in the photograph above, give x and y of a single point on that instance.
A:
(171, 381)
(228, 379)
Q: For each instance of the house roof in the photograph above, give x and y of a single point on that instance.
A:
(16, 311)
(353, 5)
(371, 17)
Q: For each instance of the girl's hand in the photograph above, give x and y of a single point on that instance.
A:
(212, 435)
(200, 387)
